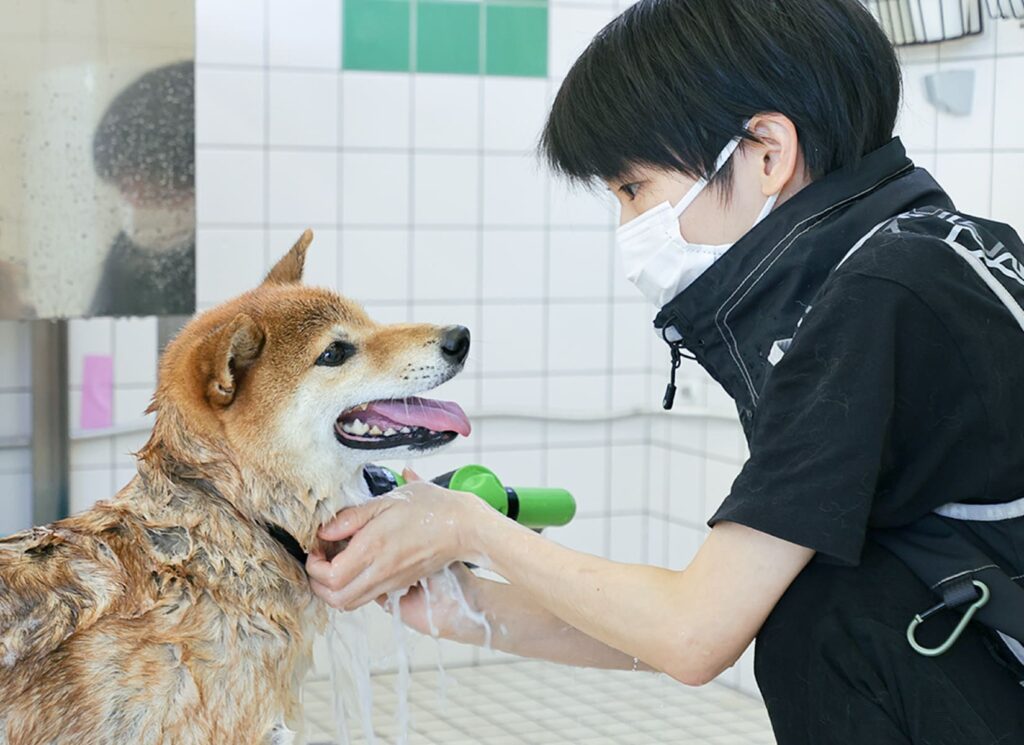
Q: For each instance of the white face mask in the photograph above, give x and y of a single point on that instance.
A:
(159, 228)
(658, 260)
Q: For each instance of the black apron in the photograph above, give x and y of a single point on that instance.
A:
(736, 318)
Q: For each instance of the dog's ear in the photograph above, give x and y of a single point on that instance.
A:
(288, 271)
(234, 349)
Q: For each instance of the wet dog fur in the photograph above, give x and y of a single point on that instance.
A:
(170, 614)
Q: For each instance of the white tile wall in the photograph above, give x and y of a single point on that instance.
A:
(15, 426)
(429, 205)
(302, 109)
(975, 157)
(384, 123)
(447, 112)
(302, 189)
(230, 186)
(230, 106)
(230, 32)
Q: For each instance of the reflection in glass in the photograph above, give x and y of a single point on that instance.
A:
(145, 147)
(97, 197)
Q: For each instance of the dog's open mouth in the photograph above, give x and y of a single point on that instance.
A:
(416, 423)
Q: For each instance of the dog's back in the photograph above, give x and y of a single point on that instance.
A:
(118, 626)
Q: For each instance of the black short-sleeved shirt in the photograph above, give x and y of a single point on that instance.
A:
(137, 281)
(902, 390)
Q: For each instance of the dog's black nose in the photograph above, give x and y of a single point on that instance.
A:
(455, 344)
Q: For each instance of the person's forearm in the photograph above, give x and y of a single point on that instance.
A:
(521, 627)
(647, 612)
(691, 624)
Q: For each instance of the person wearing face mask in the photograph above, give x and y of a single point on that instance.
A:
(869, 335)
(144, 146)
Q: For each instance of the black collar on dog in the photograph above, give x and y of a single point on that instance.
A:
(379, 480)
(290, 544)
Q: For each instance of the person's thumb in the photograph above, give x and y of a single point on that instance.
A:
(410, 475)
(349, 521)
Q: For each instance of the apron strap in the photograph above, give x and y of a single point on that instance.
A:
(934, 547)
(949, 563)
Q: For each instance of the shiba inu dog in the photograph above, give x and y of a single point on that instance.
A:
(171, 614)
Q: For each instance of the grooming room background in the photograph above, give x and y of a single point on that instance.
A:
(403, 133)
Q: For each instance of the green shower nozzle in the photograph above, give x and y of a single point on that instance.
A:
(533, 507)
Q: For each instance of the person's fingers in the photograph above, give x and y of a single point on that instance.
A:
(410, 475)
(363, 590)
(360, 582)
(345, 568)
(324, 592)
(419, 613)
(363, 594)
(366, 599)
(350, 520)
(320, 571)
(317, 566)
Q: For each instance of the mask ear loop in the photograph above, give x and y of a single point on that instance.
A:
(697, 188)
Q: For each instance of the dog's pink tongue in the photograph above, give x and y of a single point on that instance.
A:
(440, 416)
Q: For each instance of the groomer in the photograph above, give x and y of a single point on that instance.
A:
(868, 336)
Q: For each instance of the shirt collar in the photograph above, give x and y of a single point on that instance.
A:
(758, 291)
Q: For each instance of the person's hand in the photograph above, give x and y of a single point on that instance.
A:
(394, 541)
(444, 606)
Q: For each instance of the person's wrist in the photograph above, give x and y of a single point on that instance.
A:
(474, 521)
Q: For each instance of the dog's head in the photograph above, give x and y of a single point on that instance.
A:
(300, 389)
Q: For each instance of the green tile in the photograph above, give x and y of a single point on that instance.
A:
(517, 39)
(448, 37)
(376, 35)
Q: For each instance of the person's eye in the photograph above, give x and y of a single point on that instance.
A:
(337, 353)
(631, 190)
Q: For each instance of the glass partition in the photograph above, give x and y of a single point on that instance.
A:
(97, 187)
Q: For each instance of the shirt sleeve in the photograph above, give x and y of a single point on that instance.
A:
(820, 435)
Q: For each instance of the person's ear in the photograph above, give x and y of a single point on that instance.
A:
(779, 150)
(232, 350)
(288, 270)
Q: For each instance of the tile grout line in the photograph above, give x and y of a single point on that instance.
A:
(389, 226)
(480, 214)
(611, 301)
(411, 229)
(992, 132)
(266, 135)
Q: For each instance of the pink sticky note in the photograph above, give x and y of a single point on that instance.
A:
(97, 391)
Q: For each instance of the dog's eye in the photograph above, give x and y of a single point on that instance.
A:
(335, 354)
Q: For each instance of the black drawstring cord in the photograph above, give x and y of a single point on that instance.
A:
(676, 348)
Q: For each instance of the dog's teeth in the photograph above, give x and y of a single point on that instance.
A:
(405, 430)
(359, 428)
(347, 427)
(375, 430)
(389, 432)
(364, 407)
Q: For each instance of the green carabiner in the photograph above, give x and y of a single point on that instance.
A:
(945, 646)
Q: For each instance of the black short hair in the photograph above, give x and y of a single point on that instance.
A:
(146, 137)
(669, 82)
